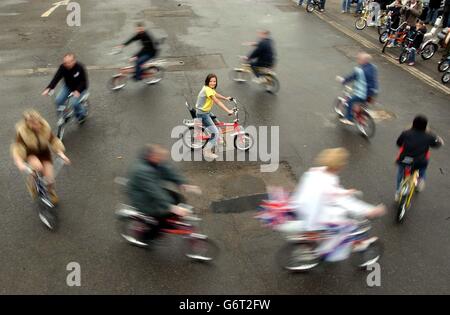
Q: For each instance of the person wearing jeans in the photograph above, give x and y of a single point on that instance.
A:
(418, 33)
(415, 144)
(346, 6)
(75, 82)
(62, 96)
(206, 99)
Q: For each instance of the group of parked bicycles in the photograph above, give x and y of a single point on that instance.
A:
(400, 36)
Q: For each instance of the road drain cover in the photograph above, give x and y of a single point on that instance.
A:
(238, 204)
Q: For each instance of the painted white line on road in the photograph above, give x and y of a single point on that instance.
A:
(389, 57)
(9, 14)
(54, 7)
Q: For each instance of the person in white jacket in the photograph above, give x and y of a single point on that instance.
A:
(320, 201)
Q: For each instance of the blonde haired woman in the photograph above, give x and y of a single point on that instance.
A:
(33, 145)
(320, 200)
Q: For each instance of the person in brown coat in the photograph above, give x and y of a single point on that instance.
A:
(411, 12)
(33, 144)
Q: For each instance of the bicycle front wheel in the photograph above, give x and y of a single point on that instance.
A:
(444, 66)
(446, 77)
(339, 107)
(360, 24)
(243, 142)
(153, 75)
(239, 75)
(383, 37)
(298, 257)
(310, 7)
(403, 57)
(117, 82)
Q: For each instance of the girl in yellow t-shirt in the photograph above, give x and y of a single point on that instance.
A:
(205, 102)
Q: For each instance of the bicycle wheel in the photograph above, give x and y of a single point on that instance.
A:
(365, 124)
(383, 37)
(360, 23)
(117, 82)
(201, 248)
(446, 77)
(190, 141)
(133, 231)
(153, 75)
(298, 257)
(368, 256)
(310, 7)
(272, 84)
(239, 75)
(243, 142)
(444, 66)
(339, 107)
(47, 216)
(428, 51)
(403, 56)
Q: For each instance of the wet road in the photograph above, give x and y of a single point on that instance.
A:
(208, 36)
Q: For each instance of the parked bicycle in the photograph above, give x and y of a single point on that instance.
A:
(244, 73)
(444, 63)
(362, 118)
(313, 5)
(134, 227)
(446, 77)
(394, 37)
(426, 52)
(196, 137)
(362, 21)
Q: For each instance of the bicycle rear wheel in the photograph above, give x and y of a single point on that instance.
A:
(444, 66)
(201, 248)
(190, 141)
(310, 7)
(368, 256)
(446, 77)
(153, 75)
(365, 124)
(298, 257)
(272, 84)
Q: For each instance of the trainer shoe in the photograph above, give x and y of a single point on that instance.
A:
(420, 185)
(345, 121)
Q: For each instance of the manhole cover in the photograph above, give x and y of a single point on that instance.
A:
(200, 62)
(239, 204)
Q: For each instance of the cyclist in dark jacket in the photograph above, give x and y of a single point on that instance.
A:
(414, 146)
(147, 189)
(148, 50)
(263, 56)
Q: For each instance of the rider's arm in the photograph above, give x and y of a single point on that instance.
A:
(218, 102)
(350, 78)
(435, 141)
(401, 139)
(256, 52)
(170, 174)
(222, 97)
(132, 39)
(58, 76)
(82, 80)
(19, 153)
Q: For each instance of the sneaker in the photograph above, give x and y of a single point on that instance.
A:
(208, 154)
(411, 64)
(82, 120)
(343, 11)
(322, 10)
(345, 121)
(397, 196)
(31, 186)
(420, 185)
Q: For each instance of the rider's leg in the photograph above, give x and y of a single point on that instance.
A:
(254, 65)
(80, 111)
(35, 164)
(322, 4)
(422, 177)
(211, 127)
(354, 99)
(400, 173)
(139, 63)
(49, 176)
(412, 56)
(62, 96)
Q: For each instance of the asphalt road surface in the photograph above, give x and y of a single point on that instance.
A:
(207, 35)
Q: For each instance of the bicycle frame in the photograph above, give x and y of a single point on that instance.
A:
(409, 183)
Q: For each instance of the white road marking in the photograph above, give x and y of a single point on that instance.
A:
(54, 7)
(9, 14)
